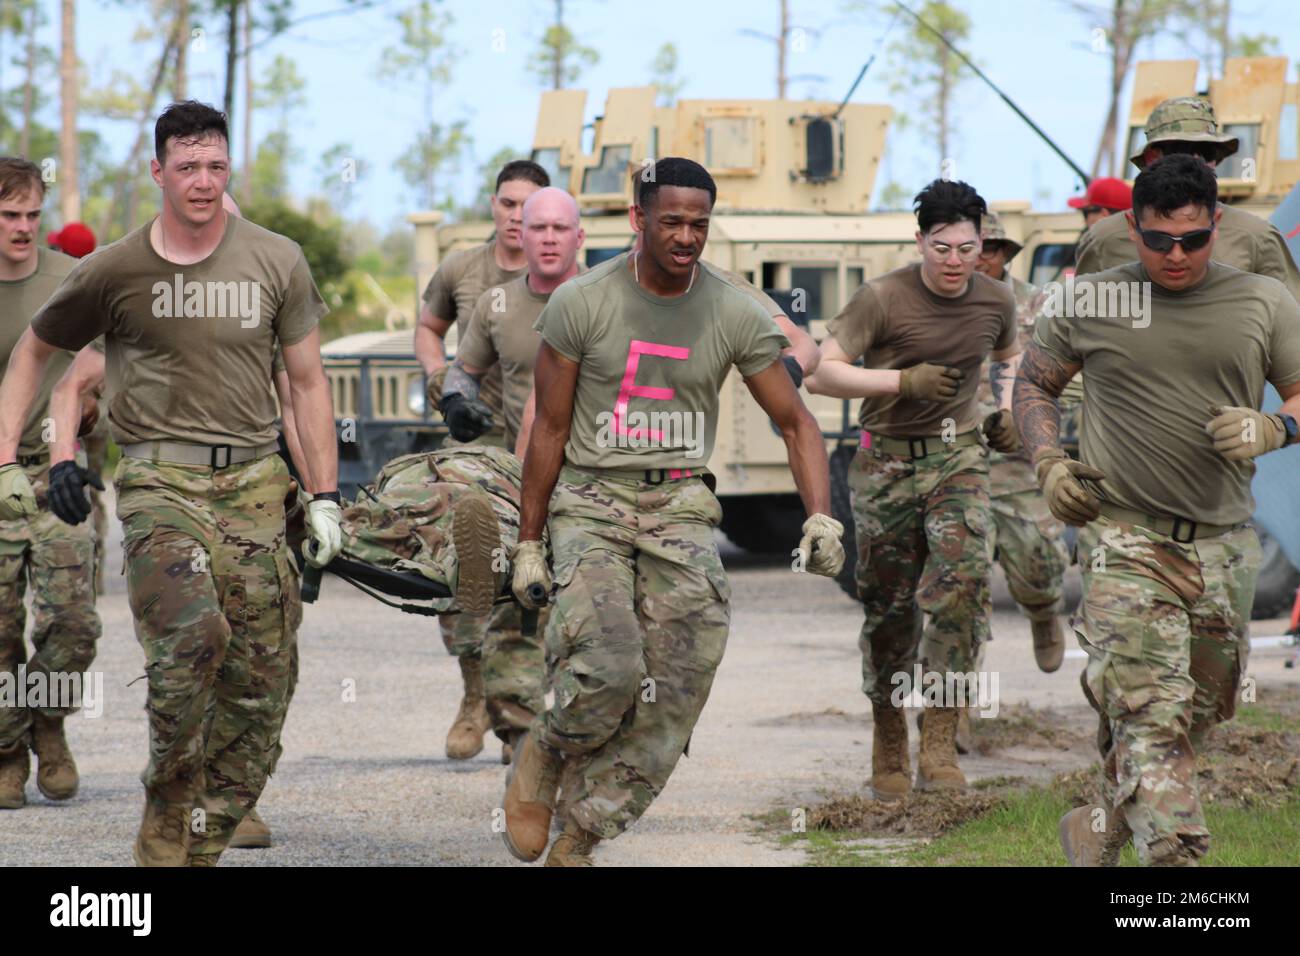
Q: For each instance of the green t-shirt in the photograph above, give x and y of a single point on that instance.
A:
(188, 348)
(500, 330)
(651, 367)
(894, 321)
(1150, 388)
(20, 299)
(455, 289)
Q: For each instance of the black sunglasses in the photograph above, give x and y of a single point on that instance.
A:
(1158, 241)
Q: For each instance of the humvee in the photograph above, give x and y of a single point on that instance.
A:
(794, 179)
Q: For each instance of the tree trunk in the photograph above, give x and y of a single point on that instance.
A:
(782, 36)
(1225, 37)
(69, 192)
(232, 58)
(945, 91)
(557, 60)
(29, 85)
(181, 77)
(248, 103)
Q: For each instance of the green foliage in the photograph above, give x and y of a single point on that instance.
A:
(435, 149)
(321, 236)
(561, 58)
(664, 75)
(481, 207)
(424, 52)
(926, 74)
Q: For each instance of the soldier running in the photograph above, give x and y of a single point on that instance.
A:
(1162, 495)
(191, 307)
(58, 560)
(627, 380)
(919, 482)
(449, 300)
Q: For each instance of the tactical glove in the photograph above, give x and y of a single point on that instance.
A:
(466, 418)
(324, 532)
(1241, 433)
(433, 388)
(531, 582)
(1000, 430)
(1067, 499)
(929, 383)
(822, 545)
(17, 496)
(68, 482)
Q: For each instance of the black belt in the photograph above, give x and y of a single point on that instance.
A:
(29, 461)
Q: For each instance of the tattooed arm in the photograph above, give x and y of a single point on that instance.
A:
(1040, 380)
(1002, 374)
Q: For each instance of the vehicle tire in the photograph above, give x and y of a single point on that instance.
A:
(1278, 580)
(763, 524)
(842, 511)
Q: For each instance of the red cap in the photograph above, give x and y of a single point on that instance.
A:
(74, 239)
(1106, 192)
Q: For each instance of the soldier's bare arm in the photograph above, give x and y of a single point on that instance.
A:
(22, 380)
(777, 396)
(802, 346)
(1003, 366)
(314, 411)
(1040, 381)
(84, 376)
(526, 424)
(555, 378)
(289, 426)
(836, 376)
(430, 349)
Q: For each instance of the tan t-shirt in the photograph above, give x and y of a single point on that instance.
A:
(1149, 389)
(455, 289)
(652, 366)
(894, 321)
(500, 333)
(189, 347)
(20, 299)
(1245, 242)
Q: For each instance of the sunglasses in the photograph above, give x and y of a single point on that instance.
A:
(1163, 242)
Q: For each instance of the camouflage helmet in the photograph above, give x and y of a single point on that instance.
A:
(992, 230)
(1184, 119)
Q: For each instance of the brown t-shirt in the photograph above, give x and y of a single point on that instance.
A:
(19, 301)
(189, 347)
(1150, 388)
(651, 366)
(894, 322)
(500, 333)
(453, 292)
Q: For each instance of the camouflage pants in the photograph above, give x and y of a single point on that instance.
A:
(637, 629)
(1166, 627)
(216, 601)
(58, 560)
(923, 545)
(1029, 546)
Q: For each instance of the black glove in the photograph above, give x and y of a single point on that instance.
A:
(466, 418)
(68, 499)
(794, 368)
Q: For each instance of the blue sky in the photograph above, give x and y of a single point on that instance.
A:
(1039, 52)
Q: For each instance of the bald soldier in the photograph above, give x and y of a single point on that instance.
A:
(448, 300)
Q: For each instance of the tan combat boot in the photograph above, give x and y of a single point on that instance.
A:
(465, 739)
(15, 767)
(164, 838)
(1092, 836)
(891, 771)
(251, 834)
(1049, 643)
(937, 763)
(530, 798)
(56, 772)
(572, 847)
(476, 533)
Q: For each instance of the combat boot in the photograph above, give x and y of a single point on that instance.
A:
(476, 534)
(937, 763)
(164, 838)
(891, 771)
(56, 772)
(530, 798)
(1049, 643)
(465, 739)
(965, 739)
(1084, 844)
(15, 767)
(251, 834)
(572, 847)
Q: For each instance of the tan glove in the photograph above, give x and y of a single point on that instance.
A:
(433, 389)
(1241, 433)
(530, 574)
(821, 544)
(1000, 430)
(1067, 499)
(324, 531)
(929, 383)
(17, 496)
